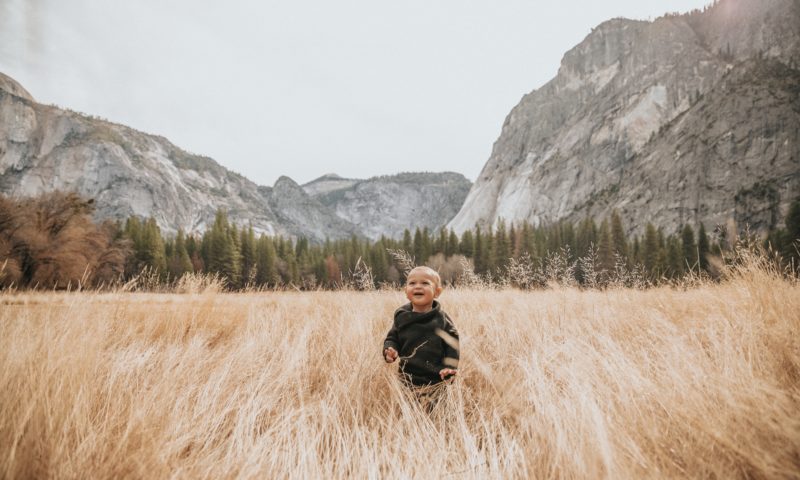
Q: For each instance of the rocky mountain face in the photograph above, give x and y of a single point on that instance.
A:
(127, 172)
(299, 212)
(387, 205)
(689, 118)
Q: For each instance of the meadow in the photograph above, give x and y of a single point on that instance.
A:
(699, 382)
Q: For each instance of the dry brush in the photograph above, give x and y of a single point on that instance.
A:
(562, 383)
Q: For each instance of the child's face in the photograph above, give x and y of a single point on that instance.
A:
(421, 289)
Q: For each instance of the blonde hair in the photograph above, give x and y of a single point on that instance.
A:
(430, 272)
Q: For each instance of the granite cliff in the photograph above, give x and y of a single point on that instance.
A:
(387, 205)
(689, 118)
(127, 172)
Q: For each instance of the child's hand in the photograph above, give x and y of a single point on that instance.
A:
(390, 355)
(447, 372)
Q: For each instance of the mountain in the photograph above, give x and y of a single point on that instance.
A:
(127, 172)
(689, 118)
(387, 205)
(328, 183)
(45, 148)
(299, 212)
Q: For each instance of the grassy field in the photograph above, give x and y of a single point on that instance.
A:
(562, 383)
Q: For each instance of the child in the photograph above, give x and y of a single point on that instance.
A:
(422, 335)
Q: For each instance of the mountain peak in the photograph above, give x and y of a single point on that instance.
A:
(329, 176)
(285, 182)
(638, 120)
(11, 86)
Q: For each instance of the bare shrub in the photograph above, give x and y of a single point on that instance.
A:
(749, 255)
(403, 260)
(309, 281)
(557, 269)
(147, 280)
(624, 276)
(562, 383)
(469, 279)
(361, 276)
(588, 266)
(522, 273)
(199, 283)
(450, 269)
(52, 242)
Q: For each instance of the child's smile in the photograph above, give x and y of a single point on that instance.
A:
(421, 289)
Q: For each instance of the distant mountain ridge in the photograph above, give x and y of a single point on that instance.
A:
(429, 200)
(689, 118)
(127, 172)
(686, 119)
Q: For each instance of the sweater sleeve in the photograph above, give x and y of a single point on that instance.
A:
(391, 339)
(451, 347)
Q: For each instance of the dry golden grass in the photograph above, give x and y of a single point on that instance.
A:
(554, 384)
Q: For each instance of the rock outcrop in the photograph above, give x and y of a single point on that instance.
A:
(127, 172)
(11, 86)
(387, 205)
(304, 215)
(690, 118)
(44, 148)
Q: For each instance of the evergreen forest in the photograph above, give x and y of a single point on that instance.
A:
(51, 242)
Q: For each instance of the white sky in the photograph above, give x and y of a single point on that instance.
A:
(304, 87)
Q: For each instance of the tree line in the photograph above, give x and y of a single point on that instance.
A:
(51, 242)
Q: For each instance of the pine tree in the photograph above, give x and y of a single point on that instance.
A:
(540, 242)
(501, 251)
(650, 249)
(662, 264)
(554, 241)
(584, 241)
(292, 274)
(514, 245)
(466, 246)
(266, 269)
(452, 244)
(149, 248)
(407, 246)
(478, 252)
(441, 242)
(567, 236)
(193, 250)
(169, 244)
(690, 250)
(703, 248)
(247, 242)
(318, 269)
(674, 259)
(618, 238)
(191, 245)
(793, 221)
(223, 255)
(419, 247)
(205, 250)
(605, 249)
(301, 247)
(636, 253)
(791, 250)
(133, 231)
(427, 246)
(488, 251)
(526, 240)
(179, 260)
(379, 261)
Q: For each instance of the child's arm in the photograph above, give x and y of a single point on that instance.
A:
(391, 345)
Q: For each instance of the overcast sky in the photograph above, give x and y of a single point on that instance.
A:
(304, 87)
